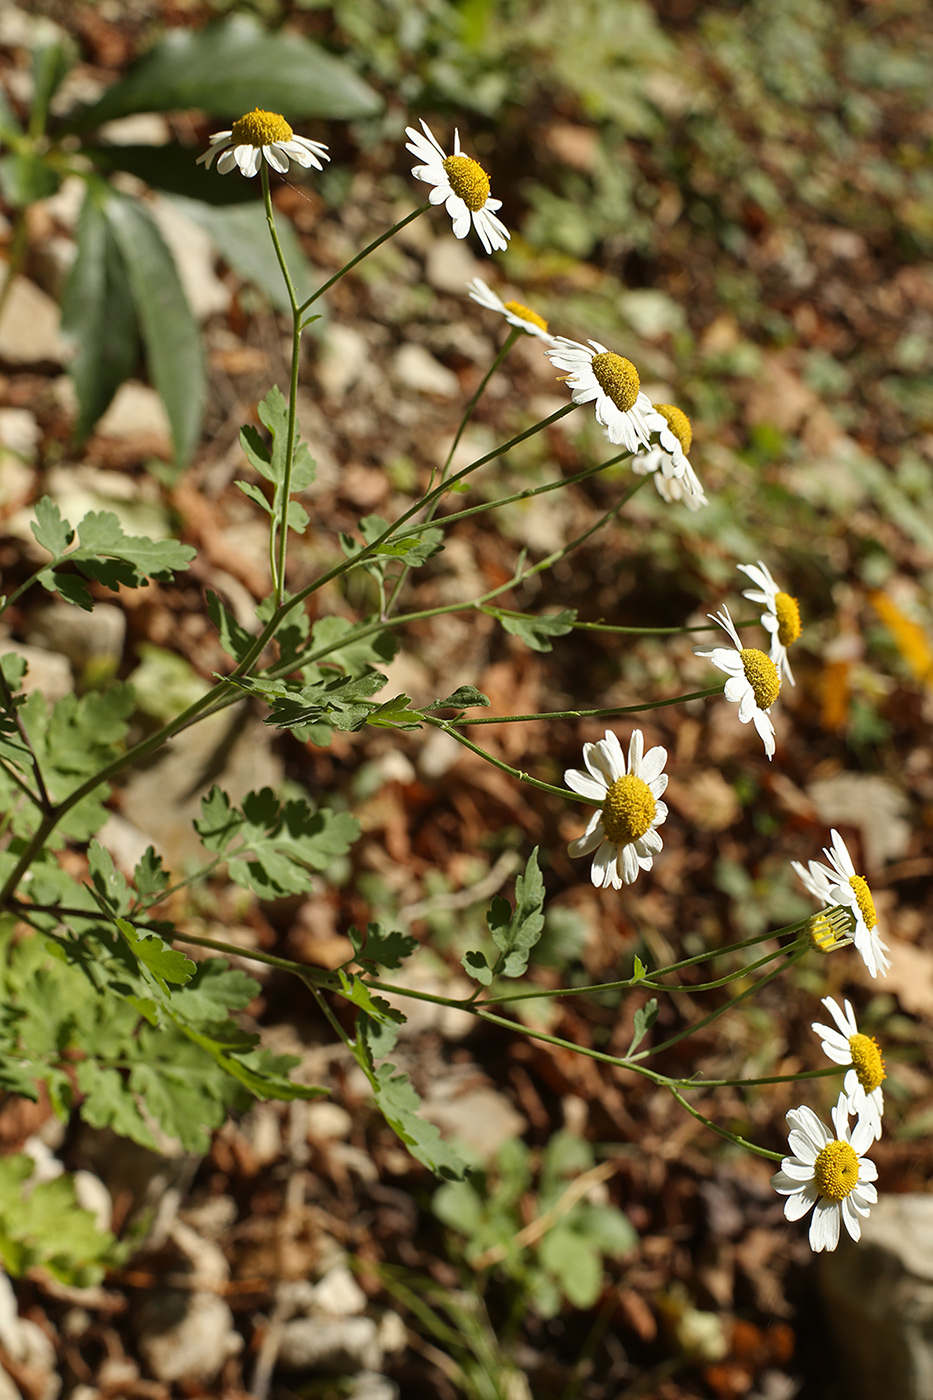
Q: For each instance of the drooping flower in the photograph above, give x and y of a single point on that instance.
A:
(461, 184)
(837, 883)
(258, 136)
(754, 681)
(782, 618)
(518, 315)
(667, 458)
(846, 1045)
(597, 375)
(623, 833)
(828, 1174)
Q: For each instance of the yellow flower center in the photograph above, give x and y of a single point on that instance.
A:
(864, 900)
(259, 128)
(762, 675)
(628, 811)
(468, 180)
(526, 314)
(788, 616)
(867, 1061)
(678, 422)
(835, 1170)
(829, 930)
(618, 378)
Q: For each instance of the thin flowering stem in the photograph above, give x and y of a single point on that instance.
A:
(516, 773)
(370, 248)
(719, 1010)
(606, 713)
(277, 560)
(467, 415)
(627, 982)
(724, 1132)
(721, 981)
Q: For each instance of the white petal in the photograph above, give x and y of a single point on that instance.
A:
(735, 690)
(652, 767)
(636, 750)
(603, 861)
(795, 1170)
(585, 785)
(802, 1146)
(796, 1207)
(277, 158)
(824, 1227)
(616, 757)
(629, 863)
(585, 845)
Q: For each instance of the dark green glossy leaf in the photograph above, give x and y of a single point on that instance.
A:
(51, 63)
(171, 334)
(230, 68)
(99, 315)
(173, 169)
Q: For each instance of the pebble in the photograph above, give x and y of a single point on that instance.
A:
(413, 367)
(31, 327)
(186, 1337)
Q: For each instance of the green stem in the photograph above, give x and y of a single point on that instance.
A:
(43, 802)
(724, 1132)
(370, 248)
(515, 773)
(467, 415)
(278, 564)
(606, 713)
(629, 982)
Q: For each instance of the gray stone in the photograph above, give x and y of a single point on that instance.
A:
(878, 1297)
(30, 327)
(341, 1345)
(19, 431)
(47, 671)
(368, 1386)
(413, 367)
(186, 1336)
(84, 637)
(136, 411)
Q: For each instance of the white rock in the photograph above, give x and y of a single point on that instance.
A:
(451, 265)
(19, 431)
(328, 1120)
(136, 411)
(83, 637)
(186, 1336)
(369, 1386)
(878, 1299)
(342, 1345)
(414, 367)
(140, 129)
(30, 327)
(92, 1195)
(193, 250)
(481, 1117)
(339, 1293)
(343, 359)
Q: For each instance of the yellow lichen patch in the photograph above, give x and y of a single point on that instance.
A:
(628, 811)
(867, 1061)
(525, 313)
(788, 616)
(468, 180)
(835, 1170)
(618, 378)
(260, 128)
(864, 900)
(762, 675)
(678, 422)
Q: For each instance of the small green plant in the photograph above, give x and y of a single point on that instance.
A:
(42, 1226)
(123, 1027)
(558, 1256)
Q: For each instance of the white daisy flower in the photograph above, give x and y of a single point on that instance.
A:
(782, 619)
(461, 184)
(623, 833)
(518, 315)
(597, 374)
(262, 135)
(837, 883)
(674, 478)
(846, 1045)
(754, 681)
(827, 1173)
